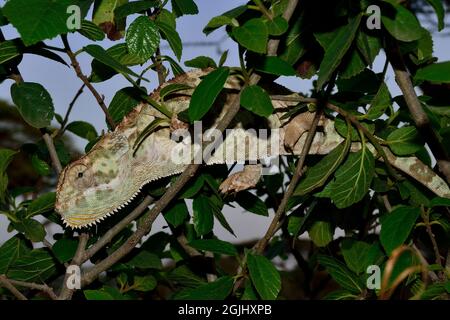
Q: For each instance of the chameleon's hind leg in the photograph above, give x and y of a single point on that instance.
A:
(242, 180)
(297, 126)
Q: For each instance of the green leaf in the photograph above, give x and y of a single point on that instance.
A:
(336, 49)
(35, 266)
(440, 202)
(172, 37)
(134, 7)
(44, 203)
(37, 20)
(265, 277)
(146, 260)
(369, 46)
(355, 254)
(257, 100)
(435, 73)
(97, 295)
(176, 68)
(440, 12)
(352, 179)
(9, 50)
(182, 7)
(6, 156)
(173, 88)
(201, 62)
(83, 129)
(294, 44)
(206, 93)
(404, 141)
(217, 290)
(317, 175)
(380, 103)
(341, 274)
(64, 249)
(252, 203)
(177, 214)
(108, 59)
(352, 65)
(144, 284)
(401, 23)
(277, 26)
(123, 102)
(11, 250)
(203, 215)
(41, 167)
(253, 35)
(91, 31)
(167, 17)
(184, 276)
(32, 229)
(396, 226)
(214, 245)
(34, 103)
(276, 66)
(223, 19)
(321, 233)
(142, 37)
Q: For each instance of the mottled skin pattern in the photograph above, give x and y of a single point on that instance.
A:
(111, 174)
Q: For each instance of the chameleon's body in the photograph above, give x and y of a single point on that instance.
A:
(113, 172)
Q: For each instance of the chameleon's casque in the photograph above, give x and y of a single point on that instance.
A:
(113, 172)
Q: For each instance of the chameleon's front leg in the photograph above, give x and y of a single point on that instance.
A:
(297, 126)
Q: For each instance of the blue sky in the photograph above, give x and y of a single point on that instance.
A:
(62, 84)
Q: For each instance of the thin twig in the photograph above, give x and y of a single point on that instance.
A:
(426, 219)
(79, 72)
(52, 151)
(261, 245)
(69, 110)
(31, 285)
(66, 293)
(4, 282)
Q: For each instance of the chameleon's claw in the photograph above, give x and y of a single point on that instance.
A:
(242, 180)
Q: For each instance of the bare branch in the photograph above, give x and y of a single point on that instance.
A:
(31, 285)
(417, 113)
(4, 282)
(261, 245)
(52, 151)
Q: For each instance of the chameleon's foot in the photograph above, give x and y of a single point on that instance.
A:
(297, 127)
(242, 180)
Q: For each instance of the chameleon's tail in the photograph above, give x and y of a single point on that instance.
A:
(420, 172)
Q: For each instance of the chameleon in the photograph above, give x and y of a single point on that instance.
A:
(114, 171)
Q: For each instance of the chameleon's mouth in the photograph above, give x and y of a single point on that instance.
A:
(80, 220)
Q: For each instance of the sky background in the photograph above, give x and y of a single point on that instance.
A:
(62, 83)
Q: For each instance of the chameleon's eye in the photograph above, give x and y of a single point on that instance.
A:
(78, 171)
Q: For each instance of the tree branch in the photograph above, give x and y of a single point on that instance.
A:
(261, 245)
(66, 293)
(5, 282)
(77, 68)
(418, 114)
(52, 151)
(41, 287)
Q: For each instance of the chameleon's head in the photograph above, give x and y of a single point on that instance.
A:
(87, 188)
